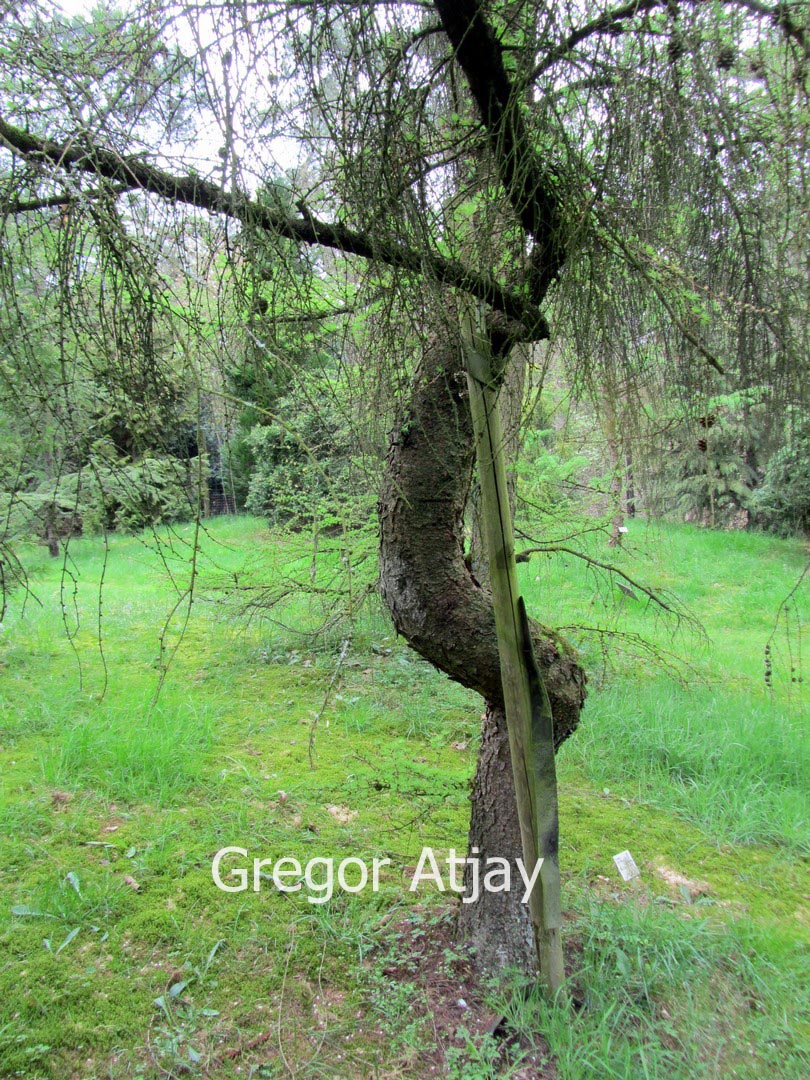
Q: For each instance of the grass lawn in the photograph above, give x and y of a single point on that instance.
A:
(119, 957)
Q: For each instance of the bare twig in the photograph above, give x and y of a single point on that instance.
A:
(672, 606)
(311, 748)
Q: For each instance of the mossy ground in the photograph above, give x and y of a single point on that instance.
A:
(120, 958)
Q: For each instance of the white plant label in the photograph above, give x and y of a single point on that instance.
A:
(626, 865)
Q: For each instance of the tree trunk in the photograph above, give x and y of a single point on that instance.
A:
(498, 924)
(51, 533)
(612, 438)
(629, 483)
(442, 611)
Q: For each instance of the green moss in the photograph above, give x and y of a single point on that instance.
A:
(759, 883)
(110, 790)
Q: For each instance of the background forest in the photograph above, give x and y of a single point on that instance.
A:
(157, 366)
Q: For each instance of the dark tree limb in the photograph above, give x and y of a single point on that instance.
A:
(307, 229)
(616, 19)
(528, 181)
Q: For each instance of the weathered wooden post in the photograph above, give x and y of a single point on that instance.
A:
(528, 712)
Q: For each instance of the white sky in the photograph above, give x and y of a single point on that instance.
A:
(285, 152)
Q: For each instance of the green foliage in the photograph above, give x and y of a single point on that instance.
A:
(153, 491)
(105, 495)
(710, 472)
(782, 503)
(306, 480)
(301, 467)
(548, 479)
(106, 793)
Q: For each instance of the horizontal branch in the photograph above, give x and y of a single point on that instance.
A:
(316, 316)
(66, 199)
(553, 549)
(194, 191)
(614, 21)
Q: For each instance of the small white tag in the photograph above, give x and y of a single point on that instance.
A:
(626, 865)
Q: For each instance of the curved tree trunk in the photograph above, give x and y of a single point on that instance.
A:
(498, 924)
(442, 611)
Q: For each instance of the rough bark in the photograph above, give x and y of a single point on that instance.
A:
(435, 602)
(442, 611)
(498, 924)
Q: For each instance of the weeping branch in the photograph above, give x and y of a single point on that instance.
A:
(636, 262)
(615, 20)
(664, 601)
(193, 191)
